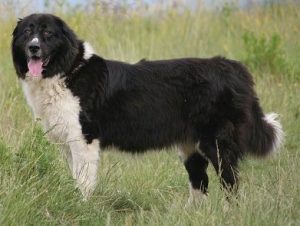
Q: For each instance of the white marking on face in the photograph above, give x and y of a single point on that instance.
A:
(35, 40)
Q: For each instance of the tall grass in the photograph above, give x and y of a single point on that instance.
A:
(151, 189)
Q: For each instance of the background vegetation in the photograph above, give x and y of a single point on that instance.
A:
(151, 189)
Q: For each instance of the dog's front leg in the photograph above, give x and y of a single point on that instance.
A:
(85, 159)
(67, 155)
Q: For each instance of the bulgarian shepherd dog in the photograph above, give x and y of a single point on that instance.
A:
(206, 107)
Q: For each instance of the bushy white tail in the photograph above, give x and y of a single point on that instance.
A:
(273, 121)
(265, 133)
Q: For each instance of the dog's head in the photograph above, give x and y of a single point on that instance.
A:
(43, 46)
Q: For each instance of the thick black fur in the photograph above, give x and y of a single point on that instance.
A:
(155, 104)
(196, 166)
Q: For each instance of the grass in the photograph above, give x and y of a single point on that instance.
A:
(151, 189)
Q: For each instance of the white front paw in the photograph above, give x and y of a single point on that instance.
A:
(86, 178)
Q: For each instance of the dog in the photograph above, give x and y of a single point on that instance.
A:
(208, 108)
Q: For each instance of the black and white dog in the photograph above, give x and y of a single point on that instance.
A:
(206, 107)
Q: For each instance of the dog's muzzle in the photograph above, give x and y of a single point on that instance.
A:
(34, 48)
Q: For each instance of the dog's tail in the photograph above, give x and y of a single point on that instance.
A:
(266, 134)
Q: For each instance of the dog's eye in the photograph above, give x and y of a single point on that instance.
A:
(27, 31)
(47, 33)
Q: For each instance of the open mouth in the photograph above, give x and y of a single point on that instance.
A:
(36, 65)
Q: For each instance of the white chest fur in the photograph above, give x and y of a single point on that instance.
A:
(54, 104)
(58, 109)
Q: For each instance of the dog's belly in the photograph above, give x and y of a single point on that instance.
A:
(55, 106)
(143, 139)
(147, 130)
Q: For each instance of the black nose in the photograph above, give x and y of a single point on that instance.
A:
(34, 47)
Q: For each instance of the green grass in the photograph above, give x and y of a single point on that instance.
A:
(151, 189)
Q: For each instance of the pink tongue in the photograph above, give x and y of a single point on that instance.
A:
(35, 67)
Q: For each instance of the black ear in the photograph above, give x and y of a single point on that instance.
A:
(16, 28)
(68, 33)
(69, 46)
(20, 63)
(18, 56)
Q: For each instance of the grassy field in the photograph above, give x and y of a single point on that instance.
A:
(151, 189)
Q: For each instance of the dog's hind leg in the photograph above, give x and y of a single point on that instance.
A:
(85, 160)
(196, 165)
(224, 154)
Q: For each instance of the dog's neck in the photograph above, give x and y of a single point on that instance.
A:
(85, 52)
